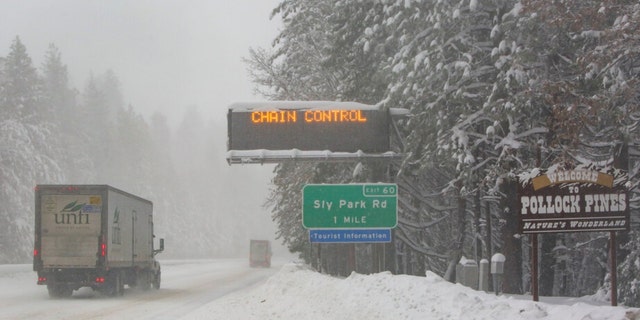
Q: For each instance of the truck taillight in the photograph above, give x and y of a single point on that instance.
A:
(42, 280)
(103, 249)
(35, 252)
(100, 280)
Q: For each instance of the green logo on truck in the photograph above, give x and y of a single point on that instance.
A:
(72, 214)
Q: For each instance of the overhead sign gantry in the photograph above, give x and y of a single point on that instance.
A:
(274, 131)
(277, 131)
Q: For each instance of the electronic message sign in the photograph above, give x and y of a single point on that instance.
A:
(287, 125)
(573, 200)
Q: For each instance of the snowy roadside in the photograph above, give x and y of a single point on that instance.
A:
(296, 292)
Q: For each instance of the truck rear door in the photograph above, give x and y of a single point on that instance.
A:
(70, 229)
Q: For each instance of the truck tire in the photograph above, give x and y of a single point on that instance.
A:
(120, 286)
(115, 286)
(144, 279)
(156, 280)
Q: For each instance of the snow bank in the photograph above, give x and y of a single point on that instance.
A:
(299, 293)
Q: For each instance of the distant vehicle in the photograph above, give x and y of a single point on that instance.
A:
(93, 236)
(260, 253)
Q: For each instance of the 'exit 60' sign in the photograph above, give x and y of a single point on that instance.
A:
(331, 206)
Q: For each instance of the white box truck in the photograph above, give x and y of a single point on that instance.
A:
(93, 236)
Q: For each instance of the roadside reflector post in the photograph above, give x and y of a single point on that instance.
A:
(497, 270)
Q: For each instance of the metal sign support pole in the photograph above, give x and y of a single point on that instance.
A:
(534, 267)
(614, 268)
(534, 243)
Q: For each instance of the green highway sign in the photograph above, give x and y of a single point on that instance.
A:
(351, 206)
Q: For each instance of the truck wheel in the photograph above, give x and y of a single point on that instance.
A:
(144, 280)
(120, 285)
(156, 280)
(116, 285)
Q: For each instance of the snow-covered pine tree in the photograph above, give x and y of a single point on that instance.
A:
(443, 73)
(26, 151)
(577, 92)
(317, 56)
(61, 109)
(493, 87)
(58, 99)
(20, 86)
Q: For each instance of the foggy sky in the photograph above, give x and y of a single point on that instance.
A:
(167, 54)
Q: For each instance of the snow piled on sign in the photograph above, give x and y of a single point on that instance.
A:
(300, 105)
(297, 292)
(311, 105)
(268, 156)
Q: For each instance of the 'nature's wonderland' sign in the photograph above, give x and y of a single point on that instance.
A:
(573, 200)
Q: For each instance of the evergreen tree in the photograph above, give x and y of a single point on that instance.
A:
(299, 69)
(444, 74)
(133, 149)
(20, 86)
(101, 104)
(565, 50)
(26, 152)
(62, 112)
(296, 70)
(58, 98)
(493, 88)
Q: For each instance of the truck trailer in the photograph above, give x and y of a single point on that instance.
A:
(93, 236)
